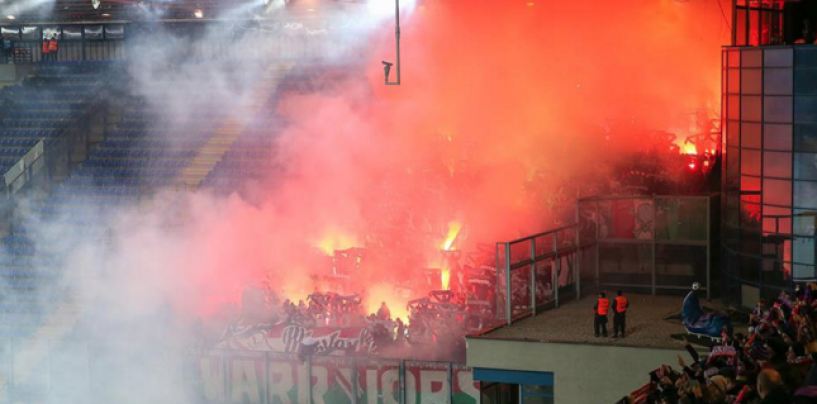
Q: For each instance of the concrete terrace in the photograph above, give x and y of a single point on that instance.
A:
(651, 323)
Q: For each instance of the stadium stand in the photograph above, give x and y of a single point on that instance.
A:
(51, 99)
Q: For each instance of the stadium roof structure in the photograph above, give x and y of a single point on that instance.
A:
(62, 11)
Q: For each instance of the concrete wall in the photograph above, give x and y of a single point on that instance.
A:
(584, 374)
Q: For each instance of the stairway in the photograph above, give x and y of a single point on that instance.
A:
(225, 135)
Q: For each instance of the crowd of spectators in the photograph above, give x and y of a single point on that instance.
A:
(774, 363)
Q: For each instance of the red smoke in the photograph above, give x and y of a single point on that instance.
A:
(517, 101)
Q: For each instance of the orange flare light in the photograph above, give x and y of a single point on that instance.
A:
(335, 240)
(445, 278)
(453, 231)
(689, 148)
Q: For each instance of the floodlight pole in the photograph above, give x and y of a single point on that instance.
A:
(397, 43)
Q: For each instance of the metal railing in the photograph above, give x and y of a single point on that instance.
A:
(537, 272)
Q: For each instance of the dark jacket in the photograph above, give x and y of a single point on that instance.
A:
(777, 396)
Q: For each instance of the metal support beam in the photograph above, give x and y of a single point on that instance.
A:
(397, 44)
(557, 267)
(533, 275)
(508, 302)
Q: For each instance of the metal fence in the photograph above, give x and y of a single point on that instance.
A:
(647, 244)
(651, 244)
(538, 272)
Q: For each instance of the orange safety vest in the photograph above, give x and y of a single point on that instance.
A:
(604, 304)
(45, 46)
(52, 45)
(621, 304)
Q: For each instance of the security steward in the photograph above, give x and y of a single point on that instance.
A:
(53, 48)
(45, 49)
(600, 319)
(620, 305)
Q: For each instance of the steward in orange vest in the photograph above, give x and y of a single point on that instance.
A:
(600, 315)
(620, 306)
(45, 49)
(53, 48)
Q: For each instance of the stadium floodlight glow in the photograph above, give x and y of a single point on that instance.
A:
(198, 13)
(11, 17)
(386, 65)
(96, 4)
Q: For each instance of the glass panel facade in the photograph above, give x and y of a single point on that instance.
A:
(805, 194)
(750, 135)
(771, 161)
(778, 82)
(751, 81)
(750, 162)
(805, 166)
(750, 110)
(777, 137)
(777, 109)
(777, 164)
(805, 137)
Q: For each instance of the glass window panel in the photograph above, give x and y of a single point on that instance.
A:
(733, 171)
(750, 108)
(733, 103)
(740, 28)
(750, 189)
(805, 194)
(114, 31)
(805, 57)
(754, 30)
(11, 32)
(775, 272)
(733, 134)
(31, 33)
(765, 25)
(733, 58)
(733, 81)
(778, 82)
(805, 109)
(777, 137)
(805, 166)
(777, 192)
(750, 216)
(750, 135)
(49, 32)
(777, 165)
(749, 269)
(750, 162)
(805, 138)
(751, 81)
(777, 109)
(72, 33)
(733, 212)
(93, 32)
(804, 222)
(779, 217)
(803, 272)
(806, 80)
(803, 250)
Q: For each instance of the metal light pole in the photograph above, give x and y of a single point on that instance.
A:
(386, 65)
